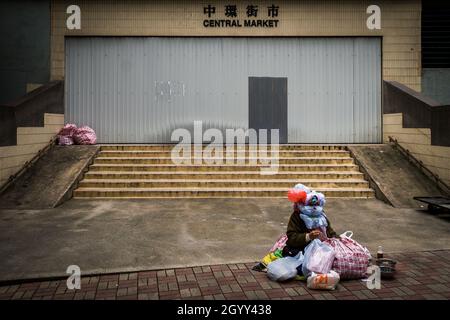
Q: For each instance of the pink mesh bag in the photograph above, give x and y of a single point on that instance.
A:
(65, 140)
(68, 130)
(85, 135)
(351, 259)
(65, 135)
(280, 243)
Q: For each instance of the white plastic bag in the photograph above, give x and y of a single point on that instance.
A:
(284, 268)
(319, 258)
(327, 281)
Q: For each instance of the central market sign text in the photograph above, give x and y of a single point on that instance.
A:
(231, 12)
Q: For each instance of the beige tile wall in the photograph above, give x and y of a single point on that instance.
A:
(400, 25)
(29, 141)
(418, 142)
(33, 86)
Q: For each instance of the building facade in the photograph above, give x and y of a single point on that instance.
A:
(137, 70)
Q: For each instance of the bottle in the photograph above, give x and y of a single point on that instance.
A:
(380, 252)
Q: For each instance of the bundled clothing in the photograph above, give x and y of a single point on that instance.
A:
(312, 211)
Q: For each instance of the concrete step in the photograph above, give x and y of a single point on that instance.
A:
(168, 147)
(211, 192)
(235, 167)
(225, 183)
(168, 160)
(148, 171)
(298, 175)
(167, 153)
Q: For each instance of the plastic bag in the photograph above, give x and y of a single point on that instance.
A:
(352, 259)
(284, 268)
(296, 195)
(85, 135)
(302, 187)
(308, 249)
(65, 140)
(65, 135)
(327, 281)
(315, 199)
(319, 257)
(68, 130)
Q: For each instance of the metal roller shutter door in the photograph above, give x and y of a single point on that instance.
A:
(139, 89)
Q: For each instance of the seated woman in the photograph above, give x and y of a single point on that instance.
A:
(308, 221)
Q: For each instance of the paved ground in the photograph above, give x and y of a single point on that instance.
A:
(126, 236)
(421, 275)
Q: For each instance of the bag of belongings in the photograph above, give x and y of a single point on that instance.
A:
(274, 253)
(351, 259)
(65, 135)
(284, 268)
(318, 258)
(271, 257)
(326, 281)
(280, 243)
(85, 135)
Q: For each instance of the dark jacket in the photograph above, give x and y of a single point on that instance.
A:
(296, 232)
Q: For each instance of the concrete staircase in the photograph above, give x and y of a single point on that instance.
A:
(147, 171)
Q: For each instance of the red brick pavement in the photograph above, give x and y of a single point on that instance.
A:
(420, 275)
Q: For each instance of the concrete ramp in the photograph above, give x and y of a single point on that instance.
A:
(48, 182)
(395, 179)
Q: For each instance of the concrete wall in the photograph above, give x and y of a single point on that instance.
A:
(29, 141)
(25, 43)
(418, 142)
(436, 84)
(400, 25)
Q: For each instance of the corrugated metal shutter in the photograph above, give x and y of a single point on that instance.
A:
(138, 90)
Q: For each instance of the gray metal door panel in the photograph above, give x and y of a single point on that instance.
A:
(268, 105)
(138, 90)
